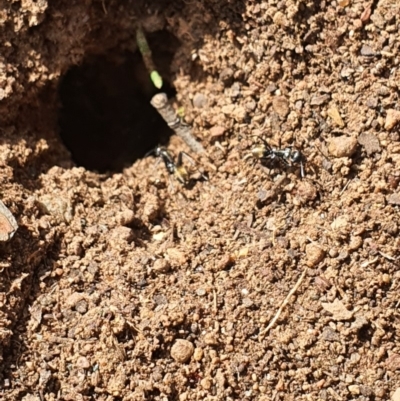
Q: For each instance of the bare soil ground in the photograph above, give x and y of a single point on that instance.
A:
(255, 285)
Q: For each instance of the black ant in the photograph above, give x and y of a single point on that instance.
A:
(288, 156)
(177, 168)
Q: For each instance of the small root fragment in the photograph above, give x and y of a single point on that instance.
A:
(283, 305)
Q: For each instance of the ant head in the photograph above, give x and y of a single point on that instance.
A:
(158, 150)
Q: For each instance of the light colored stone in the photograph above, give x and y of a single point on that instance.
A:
(182, 350)
(392, 118)
(342, 146)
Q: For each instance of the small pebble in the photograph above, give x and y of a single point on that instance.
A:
(354, 389)
(271, 88)
(315, 254)
(333, 252)
(319, 100)
(370, 142)
(355, 242)
(211, 339)
(306, 191)
(393, 362)
(334, 114)
(206, 383)
(125, 217)
(239, 114)
(298, 105)
(366, 14)
(251, 105)
(384, 91)
(161, 266)
(366, 391)
(247, 302)
(392, 118)
(235, 90)
(228, 109)
(281, 106)
(372, 102)
(393, 181)
(330, 335)
(182, 350)
(82, 363)
(176, 256)
(367, 51)
(226, 75)
(343, 255)
(322, 283)
(346, 72)
(81, 306)
(341, 223)
(199, 100)
(394, 199)
(198, 354)
(121, 234)
(342, 146)
(217, 131)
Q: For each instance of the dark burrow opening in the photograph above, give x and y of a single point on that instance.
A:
(106, 119)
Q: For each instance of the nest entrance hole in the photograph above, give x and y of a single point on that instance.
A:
(106, 120)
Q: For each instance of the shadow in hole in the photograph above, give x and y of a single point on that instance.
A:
(106, 120)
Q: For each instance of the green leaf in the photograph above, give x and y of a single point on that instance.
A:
(156, 79)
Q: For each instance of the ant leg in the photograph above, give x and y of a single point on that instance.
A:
(153, 152)
(189, 158)
(248, 156)
(157, 163)
(171, 184)
(285, 161)
(179, 160)
(264, 142)
(302, 169)
(192, 162)
(150, 152)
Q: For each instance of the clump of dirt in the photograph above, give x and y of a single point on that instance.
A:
(257, 284)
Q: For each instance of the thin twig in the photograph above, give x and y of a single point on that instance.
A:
(104, 7)
(388, 257)
(345, 187)
(369, 262)
(284, 303)
(167, 112)
(215, 304)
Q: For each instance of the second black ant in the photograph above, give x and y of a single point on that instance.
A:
(175, 168)
(289, 156)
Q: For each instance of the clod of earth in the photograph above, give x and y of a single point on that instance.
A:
(342, 146)
(337, 309)
(182, 350)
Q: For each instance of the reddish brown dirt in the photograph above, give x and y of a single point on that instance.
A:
(107, 272)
